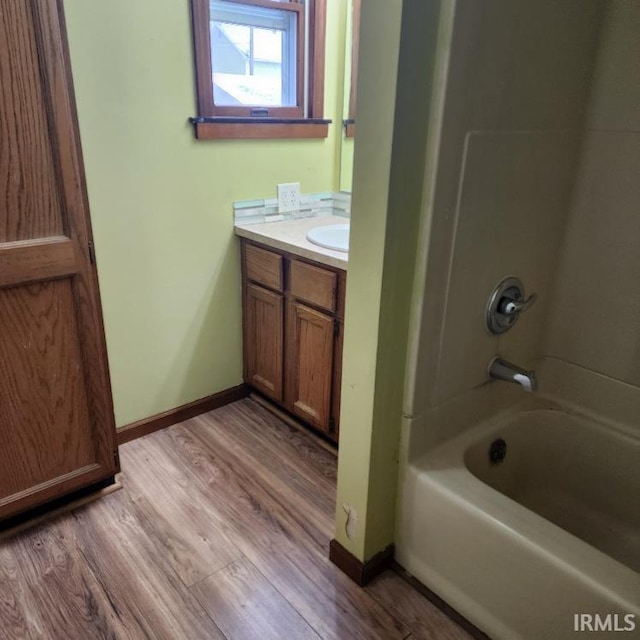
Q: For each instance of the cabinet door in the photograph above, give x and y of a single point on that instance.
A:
(57, 431)
(309, 364)
(263, 329)
(337, 378)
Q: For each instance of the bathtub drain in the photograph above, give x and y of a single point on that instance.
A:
(498, 451)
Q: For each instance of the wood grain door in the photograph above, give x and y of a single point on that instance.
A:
(57, 429)
(263, 331)
(309, 364)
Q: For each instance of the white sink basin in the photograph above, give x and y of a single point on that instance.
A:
(331, 236)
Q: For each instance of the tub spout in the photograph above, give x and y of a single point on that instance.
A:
(500, 369)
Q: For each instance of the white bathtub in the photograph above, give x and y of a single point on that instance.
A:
(521, 546)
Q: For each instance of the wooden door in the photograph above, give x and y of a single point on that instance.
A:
(57, 431)
(264, 327)
(310, 344)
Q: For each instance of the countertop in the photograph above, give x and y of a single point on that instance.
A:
(291, 236)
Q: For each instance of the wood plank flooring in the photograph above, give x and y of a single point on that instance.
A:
(221, 530)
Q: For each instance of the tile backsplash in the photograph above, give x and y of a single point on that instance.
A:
(313, 205)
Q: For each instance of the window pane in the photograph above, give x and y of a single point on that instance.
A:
(253, 55)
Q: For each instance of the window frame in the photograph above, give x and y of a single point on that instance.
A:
(350, 122)
(219, 121)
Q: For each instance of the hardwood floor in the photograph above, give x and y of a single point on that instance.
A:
(221, 530)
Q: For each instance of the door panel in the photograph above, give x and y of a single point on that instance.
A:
(264, 325)
(29, 201)
(43, 397)
(57, 431)
(309, 364)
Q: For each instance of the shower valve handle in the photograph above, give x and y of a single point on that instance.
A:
(506, 302)
(512, 306)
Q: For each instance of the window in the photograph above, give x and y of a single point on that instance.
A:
(259, 68)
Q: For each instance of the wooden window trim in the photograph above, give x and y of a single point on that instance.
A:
(318, 27)
(216, 122)
(350, 123)
(259, 128)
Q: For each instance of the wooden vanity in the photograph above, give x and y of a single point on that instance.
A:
(293, 317)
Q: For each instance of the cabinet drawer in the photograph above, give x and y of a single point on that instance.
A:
(313, 284)
(263, 266)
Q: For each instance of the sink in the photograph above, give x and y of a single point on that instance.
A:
(331, 236)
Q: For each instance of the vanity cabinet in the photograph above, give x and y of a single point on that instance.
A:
(293, 313)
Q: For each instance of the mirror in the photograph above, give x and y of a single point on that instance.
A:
(348, 129)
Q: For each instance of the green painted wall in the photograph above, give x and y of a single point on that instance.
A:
(398, 43)
(161, 201)
(379, 43)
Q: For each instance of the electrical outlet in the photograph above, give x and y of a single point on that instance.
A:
(288, 197)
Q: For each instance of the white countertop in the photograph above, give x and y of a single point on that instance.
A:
(291, 236)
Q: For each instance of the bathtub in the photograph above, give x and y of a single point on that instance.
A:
(525, 521)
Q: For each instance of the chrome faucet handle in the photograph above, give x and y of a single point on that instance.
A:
(505, 304)
(511, 306)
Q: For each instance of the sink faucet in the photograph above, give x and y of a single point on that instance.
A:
(502, 370)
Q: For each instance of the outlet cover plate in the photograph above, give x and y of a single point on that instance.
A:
(288, 197)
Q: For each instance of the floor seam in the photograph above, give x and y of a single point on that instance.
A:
(213, 573)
